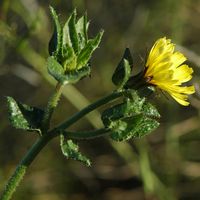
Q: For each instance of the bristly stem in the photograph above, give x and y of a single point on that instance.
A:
(51, 105)
(64, 125)
(20, 171)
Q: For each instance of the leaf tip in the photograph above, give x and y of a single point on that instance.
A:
(52, 10)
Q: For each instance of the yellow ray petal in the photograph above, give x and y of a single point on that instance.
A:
(180, 98)
(183, 73)
(166, 70)
(177, 59)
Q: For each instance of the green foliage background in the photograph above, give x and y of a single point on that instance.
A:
(164, 165)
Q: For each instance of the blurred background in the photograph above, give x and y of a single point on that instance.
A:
(162, 166)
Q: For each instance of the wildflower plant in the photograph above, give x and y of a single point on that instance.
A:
(131, 116)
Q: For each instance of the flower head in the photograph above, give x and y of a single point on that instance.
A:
(165, 69)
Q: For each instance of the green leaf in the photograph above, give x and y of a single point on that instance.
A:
(73, 32)
(139, 104)
(76, 75)
(132, 127)
(23, 116)
(150, 110)
(126, 75)
(146, 126)
(87, 51)
(114, 113)
(55, 43)
(57, 71)
(134, 102)
(82, 28)
(135, 117)
(71, 151)
(132, 105)
(125, 129)
(123, 70)
(66, 35)
(69, 58)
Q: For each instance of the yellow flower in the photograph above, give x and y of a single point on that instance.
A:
(165, 69)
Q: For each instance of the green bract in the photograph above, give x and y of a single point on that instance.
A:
(71, 151)
(123, 71)
(70, 49)
(133, 118)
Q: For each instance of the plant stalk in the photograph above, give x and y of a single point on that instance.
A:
(86, 135)
(87, 110)
(51, 105)
(20, 171)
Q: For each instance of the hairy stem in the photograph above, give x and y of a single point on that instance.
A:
(86, 110)
(51, 105)
(42, 141)
(20, 170)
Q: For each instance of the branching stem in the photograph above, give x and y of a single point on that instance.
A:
(20, 171)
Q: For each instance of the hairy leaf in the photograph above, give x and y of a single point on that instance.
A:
(123, 70)
(23, 116)
(135, 117)
(69, 58)
(71, 151)
(55, 43)
(73, 32)
(82, 28)
(87, 51)
(132, 127)
(55, 69)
